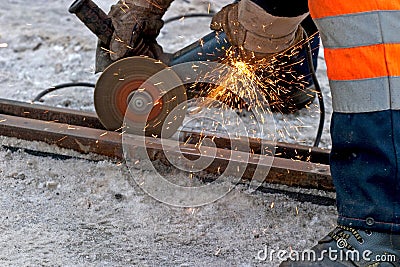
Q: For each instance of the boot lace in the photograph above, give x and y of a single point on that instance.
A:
(342, 234)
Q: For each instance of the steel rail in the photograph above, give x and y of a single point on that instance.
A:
(282, 150)
(89, 119)
(48, 113)
(67, 129)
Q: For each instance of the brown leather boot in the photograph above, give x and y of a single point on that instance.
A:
(137, 24)
(255, 32)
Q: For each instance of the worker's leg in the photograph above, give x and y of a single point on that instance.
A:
(365, 131)
(366, 99)
(365, 168)
(296, 97)
(365, 165)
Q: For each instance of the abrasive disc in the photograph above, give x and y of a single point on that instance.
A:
(126, 83)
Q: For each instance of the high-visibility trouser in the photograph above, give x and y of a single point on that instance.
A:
(362, 52)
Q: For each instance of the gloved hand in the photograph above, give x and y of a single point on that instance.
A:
(255, 32)
(137, 24)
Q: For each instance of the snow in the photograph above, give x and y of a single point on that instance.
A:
(87, 210)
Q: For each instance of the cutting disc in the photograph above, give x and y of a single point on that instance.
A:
(141, 91)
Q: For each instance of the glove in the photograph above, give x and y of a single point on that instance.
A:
(255, 32)
(137, 24)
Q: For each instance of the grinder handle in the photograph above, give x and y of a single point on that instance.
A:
(94, 18)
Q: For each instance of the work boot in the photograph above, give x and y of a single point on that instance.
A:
(137, 24)
(255, 32)
(349, 247)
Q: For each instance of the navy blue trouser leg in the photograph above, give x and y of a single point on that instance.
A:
(364, 165)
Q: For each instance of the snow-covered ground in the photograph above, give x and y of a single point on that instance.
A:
(86, 210)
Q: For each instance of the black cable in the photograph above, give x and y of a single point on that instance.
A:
(60, 86)
(317, 89)
(193, 15)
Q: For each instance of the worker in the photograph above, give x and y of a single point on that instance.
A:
(362, 46)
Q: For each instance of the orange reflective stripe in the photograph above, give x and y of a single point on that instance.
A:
(325, 8)
(392, 59)
(363, 62)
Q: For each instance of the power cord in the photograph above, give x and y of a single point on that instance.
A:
(317, 89)
(38, 98)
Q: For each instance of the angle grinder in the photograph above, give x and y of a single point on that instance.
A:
(115, 87)
(116, 93)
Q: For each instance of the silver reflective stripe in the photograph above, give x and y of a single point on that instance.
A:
(367, 95)
(395, 92)
(360, 29)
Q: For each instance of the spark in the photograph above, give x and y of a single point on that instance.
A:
(154, 4)
(260, 86)
(255, 82)
(217, 252)
(61, 139)
(124, 4)
(108, 50)
(120, 128)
